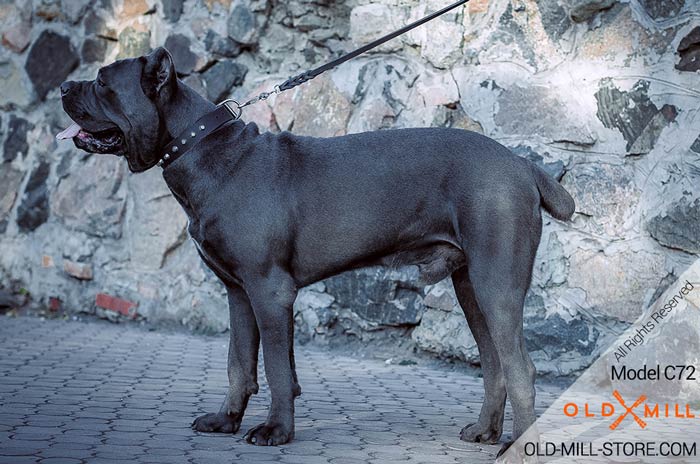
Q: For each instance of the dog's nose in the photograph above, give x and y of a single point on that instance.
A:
(66, 88)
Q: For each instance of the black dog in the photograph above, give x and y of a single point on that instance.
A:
(271, 213)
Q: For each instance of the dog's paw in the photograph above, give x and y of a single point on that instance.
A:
(478, 433)
(269, 435)
(217, 422)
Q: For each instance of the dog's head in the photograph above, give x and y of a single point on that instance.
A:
(121, 111)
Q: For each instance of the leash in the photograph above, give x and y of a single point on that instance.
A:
(225, 112)
(308, 75)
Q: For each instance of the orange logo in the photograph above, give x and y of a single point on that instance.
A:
(629, 410)
(607, 409)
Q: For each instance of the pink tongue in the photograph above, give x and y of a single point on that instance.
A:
(69, 133)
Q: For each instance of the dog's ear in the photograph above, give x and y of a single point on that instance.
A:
(158, 78)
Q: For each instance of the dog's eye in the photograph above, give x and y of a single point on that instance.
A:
(100, 82)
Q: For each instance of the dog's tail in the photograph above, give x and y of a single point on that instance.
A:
(555, 199)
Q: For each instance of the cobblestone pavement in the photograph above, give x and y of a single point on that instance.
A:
(94, 392)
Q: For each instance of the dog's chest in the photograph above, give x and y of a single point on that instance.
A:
(195, 231)
(192, 218)
(198, 234)
(210, 254)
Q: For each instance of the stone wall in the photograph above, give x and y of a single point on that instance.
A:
(603, 93)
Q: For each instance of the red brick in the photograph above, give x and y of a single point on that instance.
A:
(112, 303)
(54, 304)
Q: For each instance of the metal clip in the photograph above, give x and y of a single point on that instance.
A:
(236, 113)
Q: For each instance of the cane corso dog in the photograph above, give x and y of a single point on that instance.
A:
(273, 212)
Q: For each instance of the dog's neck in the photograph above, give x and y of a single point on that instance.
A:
(183, 109)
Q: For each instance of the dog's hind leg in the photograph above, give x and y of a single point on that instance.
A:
(272, 298)
(489, 426)
(500, 269)
(242, 367)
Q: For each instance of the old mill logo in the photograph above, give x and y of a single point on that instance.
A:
(633, 410)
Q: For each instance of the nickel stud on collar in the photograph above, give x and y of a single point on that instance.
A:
(228, 110)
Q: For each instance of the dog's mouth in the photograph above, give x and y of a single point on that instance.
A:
(104, 141)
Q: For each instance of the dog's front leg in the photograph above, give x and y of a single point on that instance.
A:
(272, 298)
(242, 367)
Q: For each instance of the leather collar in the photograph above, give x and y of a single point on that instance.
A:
(197, 131)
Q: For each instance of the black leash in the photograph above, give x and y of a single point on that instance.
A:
(308, 75)
(224, 112)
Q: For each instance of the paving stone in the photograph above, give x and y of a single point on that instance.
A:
(62, 403)
(67, 454)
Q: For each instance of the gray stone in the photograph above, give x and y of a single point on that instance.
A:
(172, 10)
(371, 21)
(94, 49)
(689, 51)
(310, 22)
(15, 25)
(556, 336)
(659, 9)
(133, 43)
(200, 310)
(511, 33)
(90, 200)
(583, 10)
(616, 283)
(555, 19)
(221, 46)
(679, 226)
(633, 114)
(455, 116)
(696, 145)
(156, 225)
(50, 60)
(555, 169)
(320, 109)
(17, 37)
(444, 330)
(179, 47)
(15, 89)
(222, 77)
(10, 180)
(8, 300)
(537, 110)
(74, 10)
(80, 271)
(95, 24)
(443, 45)
(16, 142)
(64, 167)
(241, 25)
(33, 210)
(309, 304)
(194, 81)
(382, 299)
(606, 193)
